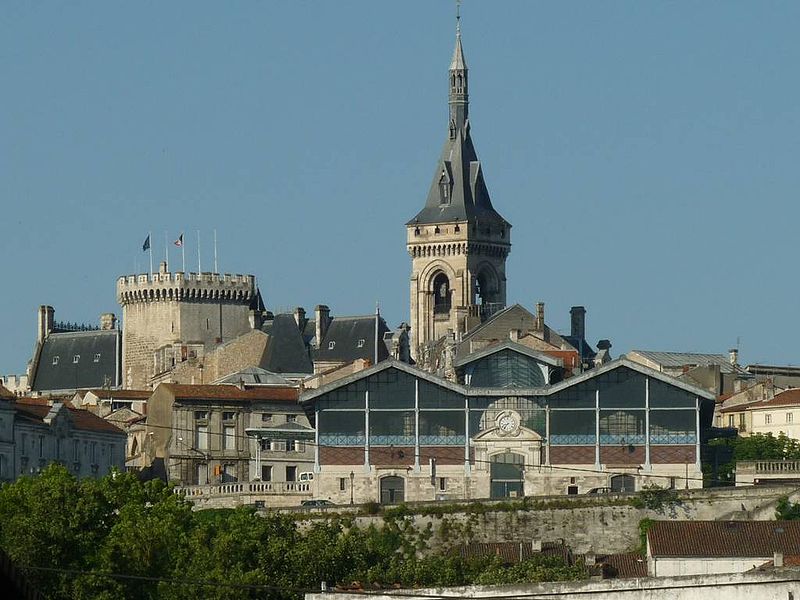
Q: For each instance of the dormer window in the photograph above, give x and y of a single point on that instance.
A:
(444, 188)
(55, 360)
(361, 343)
(331, 345)
(76, 359)
(97, 358)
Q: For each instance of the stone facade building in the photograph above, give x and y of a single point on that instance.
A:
(170, 317)
(35, 433)
(201, 434)
(458, 242)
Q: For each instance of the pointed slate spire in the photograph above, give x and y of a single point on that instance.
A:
(458, 192)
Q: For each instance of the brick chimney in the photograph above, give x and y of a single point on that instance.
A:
(322, 316)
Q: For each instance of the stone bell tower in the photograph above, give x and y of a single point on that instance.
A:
(458, 242)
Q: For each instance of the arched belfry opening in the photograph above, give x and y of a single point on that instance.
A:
(441, 295)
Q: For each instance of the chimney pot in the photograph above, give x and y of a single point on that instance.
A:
(300, 316)
(777, 559)
(577, 322)
(322, 315)
(540, 316)
(108, 321)
(46, 319)
(734, 356)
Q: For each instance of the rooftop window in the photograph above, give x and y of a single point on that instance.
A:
(76, 359)
(55, 360)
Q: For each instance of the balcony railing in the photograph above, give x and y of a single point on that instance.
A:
(253, 488)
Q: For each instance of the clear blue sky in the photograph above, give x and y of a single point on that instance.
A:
(645, 153)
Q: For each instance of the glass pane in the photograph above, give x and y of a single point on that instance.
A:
(341, 428)
(672, 427)
(436, 396)
(505, 369)
(346, 397)
(391, 388)
(572, 427)
(622, 427)
(391, 428)
(622, 388)
(581, 395)
(442, 428)
(664, 395)
(530, 409)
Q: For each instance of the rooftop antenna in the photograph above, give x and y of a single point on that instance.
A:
(377, 325)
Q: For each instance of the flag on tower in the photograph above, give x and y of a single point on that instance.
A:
(179, 241)
(146, 245)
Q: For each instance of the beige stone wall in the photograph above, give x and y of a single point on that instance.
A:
(460, 253)
(173, 307)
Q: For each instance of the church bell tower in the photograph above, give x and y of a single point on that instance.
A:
(458, 242)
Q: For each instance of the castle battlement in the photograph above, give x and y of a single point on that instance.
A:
(149, 287)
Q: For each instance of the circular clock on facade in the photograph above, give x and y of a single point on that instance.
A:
(507, 423)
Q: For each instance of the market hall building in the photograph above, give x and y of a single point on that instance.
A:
(394, 433)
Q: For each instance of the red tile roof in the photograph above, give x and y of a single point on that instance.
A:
(786, 398)
(630, 564)
(36, 409)
(122, 394)
(723, 538)
(514, 552)
(232, 392)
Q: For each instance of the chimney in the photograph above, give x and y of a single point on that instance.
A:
(577, 321)
(590, 559)
(734, 356)
(162, 267)
(300, 317)
(604, 345)
(108, 321)
(540, 316)
(322, 315)
(777, 559)
(46, 314)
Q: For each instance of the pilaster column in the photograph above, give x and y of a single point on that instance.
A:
(597, 429)
(316, 439)
(547, 433)
(416, 426)
(647, 465)
(366, 432)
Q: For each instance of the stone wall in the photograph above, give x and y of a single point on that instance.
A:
(732, 586)
(605, 528)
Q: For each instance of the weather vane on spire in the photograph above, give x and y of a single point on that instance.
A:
(458, 17)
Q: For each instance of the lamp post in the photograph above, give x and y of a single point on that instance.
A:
(352, 478)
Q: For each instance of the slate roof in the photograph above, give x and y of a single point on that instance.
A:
(468, 196)
(500, 323)
(231, 392)
(286, 350)
(34, 410)
(717, 539)
(66, 374)
(253, 376)
(676, 360)
(352, 338)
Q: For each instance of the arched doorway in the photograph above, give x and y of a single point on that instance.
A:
(507, 475)
(392, 490)
(623, 483)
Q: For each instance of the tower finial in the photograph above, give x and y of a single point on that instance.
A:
(458, 18)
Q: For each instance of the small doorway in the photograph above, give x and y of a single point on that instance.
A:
(623, 483)
(392, 490)
(507, 479)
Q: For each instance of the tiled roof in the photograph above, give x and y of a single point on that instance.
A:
(723, 538)
(786, 398)
(623, 566)
(34, 410)
(122, 394)
(231, 392)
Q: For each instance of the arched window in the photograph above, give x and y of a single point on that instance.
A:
(441, 294)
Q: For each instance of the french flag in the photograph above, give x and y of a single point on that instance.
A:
(179, 241)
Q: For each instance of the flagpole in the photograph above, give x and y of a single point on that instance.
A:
(150, 248)
(166, 249)
(183, 255)
(216, 270)
(199, 270)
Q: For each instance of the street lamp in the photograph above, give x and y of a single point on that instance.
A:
(352, 477)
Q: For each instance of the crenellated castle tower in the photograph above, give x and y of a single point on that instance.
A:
(168, 317)
(458, 242)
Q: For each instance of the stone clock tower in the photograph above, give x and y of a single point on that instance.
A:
(458, 242)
